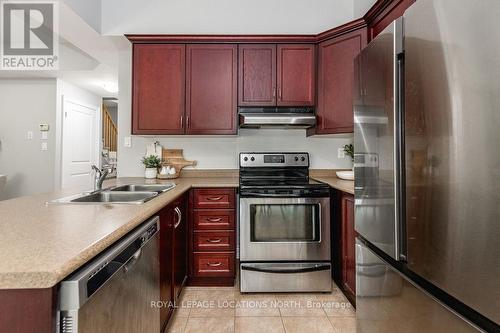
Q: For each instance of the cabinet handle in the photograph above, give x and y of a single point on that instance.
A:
(179, 217)
(279, 94)
(182, 121)
(217, 264)
(214, 198)
(188, 122)
(210, 240)
(274, 92)
(211, 219)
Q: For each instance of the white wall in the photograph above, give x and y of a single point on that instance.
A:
(69, 91)
(24, 104)
(360, 7)
(217, 152)
(89, 10)
(223, 16)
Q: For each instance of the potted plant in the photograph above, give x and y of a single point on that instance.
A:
(152, 163)
(349, 151)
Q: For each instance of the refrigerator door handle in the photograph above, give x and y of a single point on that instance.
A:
(399, 138)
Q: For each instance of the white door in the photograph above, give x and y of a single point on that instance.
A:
(80, 145)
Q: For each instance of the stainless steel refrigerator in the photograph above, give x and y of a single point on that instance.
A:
(427, 170)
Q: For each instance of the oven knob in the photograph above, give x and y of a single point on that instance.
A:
(252, 158)
(296, 158)
(245, 159)
(302, 158)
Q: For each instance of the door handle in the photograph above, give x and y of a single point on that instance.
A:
(210, 240)
(210, 219)
(214, 198)
(179, 217)
(217, 264)
(314, 268)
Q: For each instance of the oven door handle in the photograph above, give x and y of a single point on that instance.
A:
(270, 195)
(313, 268)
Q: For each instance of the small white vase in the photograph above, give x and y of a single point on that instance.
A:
(150, 173)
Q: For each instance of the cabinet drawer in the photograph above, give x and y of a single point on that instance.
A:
(214, 241)
(214, 219)
(214, 198)
(214, 264)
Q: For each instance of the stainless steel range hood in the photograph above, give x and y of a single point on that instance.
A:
(287, 118)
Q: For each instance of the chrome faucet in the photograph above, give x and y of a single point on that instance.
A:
(100, 175)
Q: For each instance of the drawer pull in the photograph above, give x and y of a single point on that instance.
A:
(210, 240)
(217, 264)
(211, 219)
(214, 198)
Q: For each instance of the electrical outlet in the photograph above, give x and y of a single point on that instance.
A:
(29, 135)
(44, 146)
(127, 141)
(341, 153)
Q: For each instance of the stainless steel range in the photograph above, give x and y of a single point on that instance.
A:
(284, 225)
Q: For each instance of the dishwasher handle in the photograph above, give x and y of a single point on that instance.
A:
(79, 287)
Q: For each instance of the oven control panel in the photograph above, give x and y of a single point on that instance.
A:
(257, 160)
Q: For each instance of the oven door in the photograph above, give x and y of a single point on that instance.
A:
(284, 229)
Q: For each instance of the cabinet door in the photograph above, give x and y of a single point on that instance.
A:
(180, 251)
(257, 75)
(158, 87)
(166, 264)
(336, 73)
(296, 74)
(211, 89)
(348, 245)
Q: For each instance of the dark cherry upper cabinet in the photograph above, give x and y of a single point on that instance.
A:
(211, 89)
(257, 75)
(158, 88)
(348, 246)
(336, 71)
(296, 68)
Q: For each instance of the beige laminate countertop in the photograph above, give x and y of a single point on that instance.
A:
(337, 183)
(41, 244)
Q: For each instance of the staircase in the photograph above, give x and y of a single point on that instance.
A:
(109, 132)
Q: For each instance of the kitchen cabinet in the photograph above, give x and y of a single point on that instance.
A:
(158, 88)
(211, 84)
(276, 75)
(257, 75)
(173, 255)
(212, 257)
(336, 73)
(348, 246)
(296, 74)
(180, 247)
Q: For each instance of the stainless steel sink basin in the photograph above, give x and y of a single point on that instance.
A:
(117, 197)
(108, 197)
(159, 188)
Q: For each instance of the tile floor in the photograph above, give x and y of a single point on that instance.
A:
(225, 309)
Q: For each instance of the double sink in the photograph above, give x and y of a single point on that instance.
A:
(125, 194)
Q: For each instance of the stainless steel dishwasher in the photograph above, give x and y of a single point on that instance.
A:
(113, 292)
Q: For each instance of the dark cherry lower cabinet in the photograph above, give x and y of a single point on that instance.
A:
(173, 255)
(213, 237)
(336, 70)
(348, 246)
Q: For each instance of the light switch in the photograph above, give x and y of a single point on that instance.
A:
(44, 127)
(44, 146)
(127, 141)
